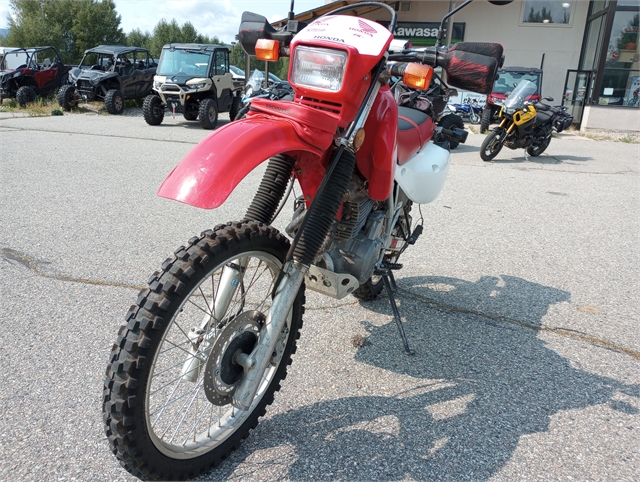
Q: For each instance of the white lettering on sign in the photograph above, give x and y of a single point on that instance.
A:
(416, 32)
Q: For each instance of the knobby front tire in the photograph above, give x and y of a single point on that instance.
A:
(160, 424)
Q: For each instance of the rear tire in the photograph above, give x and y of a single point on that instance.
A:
(535, 151)
(236, 105)
(452, 121)
(26, 95)
(190, 116)
(114, 101)
(486, 119)
(490, 146)
(369, 290)
(153, 110)
(67, 98)
(208, 114)
(161, 425)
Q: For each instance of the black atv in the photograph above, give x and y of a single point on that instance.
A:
(111, 73)
(195, 80)
(39, 71)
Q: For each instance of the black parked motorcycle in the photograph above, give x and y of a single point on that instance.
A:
(525, 125)
(278, 91)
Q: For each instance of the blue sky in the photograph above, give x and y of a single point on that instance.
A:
(210, 17)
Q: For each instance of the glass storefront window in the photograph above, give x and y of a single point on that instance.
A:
(593, 43)
(623, 43)
(547, 11)
(621, 76)
(598, 5)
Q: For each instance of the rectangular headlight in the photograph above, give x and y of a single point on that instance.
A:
(317, 68)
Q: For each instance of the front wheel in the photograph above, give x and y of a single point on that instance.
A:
(173, 372)
(114, 102)
(26, 95)
(153, 110)
(474, 117)
(67, 97)
(491, 146)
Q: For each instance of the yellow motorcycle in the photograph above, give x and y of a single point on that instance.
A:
(525, 124)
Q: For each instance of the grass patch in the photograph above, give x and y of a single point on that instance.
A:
(473, 129)
(629, 138)
(48, 106)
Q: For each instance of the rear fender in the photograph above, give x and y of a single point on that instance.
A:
(210, 172)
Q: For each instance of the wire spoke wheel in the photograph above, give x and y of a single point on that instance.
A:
(215, 297)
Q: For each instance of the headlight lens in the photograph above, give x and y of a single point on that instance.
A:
(157, 85)
(321, 69)
(198, 86)
(497, 101)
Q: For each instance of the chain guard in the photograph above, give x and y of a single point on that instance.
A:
(222, 375)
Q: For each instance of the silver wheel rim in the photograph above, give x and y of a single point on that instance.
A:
(182, 423)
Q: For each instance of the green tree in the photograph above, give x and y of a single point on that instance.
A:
(71, 26)
(136, 38)
(95, 23)
(237, 58)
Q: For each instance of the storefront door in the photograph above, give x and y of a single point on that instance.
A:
(577, 92)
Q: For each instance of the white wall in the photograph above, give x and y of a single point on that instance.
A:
(524, 44)
(610, 118)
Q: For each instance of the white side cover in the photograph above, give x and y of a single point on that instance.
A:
(369, 37)
(422, 176)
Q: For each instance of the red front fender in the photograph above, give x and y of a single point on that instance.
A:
(212, 170)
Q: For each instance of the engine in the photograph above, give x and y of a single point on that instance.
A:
(354, 244)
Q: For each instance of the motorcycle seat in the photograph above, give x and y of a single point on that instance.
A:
(541, 106)
(415, 129)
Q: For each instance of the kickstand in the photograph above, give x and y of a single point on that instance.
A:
(389, 282)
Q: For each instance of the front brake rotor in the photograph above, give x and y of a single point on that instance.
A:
(222, 374)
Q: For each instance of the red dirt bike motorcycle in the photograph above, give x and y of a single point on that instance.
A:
(205, 347)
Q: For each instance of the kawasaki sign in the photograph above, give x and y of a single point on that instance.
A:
(426, 33)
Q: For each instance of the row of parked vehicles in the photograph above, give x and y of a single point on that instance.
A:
(193, 79)
(197, 81)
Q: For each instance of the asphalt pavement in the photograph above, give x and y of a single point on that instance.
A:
(520, 300)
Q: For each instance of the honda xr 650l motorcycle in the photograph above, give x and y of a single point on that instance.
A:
(206, 345)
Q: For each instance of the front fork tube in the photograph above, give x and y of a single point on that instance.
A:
(256, 363)
(199, 350)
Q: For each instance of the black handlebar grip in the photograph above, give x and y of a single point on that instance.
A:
(398, 69)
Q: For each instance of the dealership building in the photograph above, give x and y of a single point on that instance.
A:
(589, 50)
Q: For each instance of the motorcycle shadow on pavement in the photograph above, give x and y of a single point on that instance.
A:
(480, 380)
(541, 159)
(463, 148)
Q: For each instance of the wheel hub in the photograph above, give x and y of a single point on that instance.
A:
(222, 372)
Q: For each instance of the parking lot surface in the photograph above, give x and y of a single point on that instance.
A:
(520, 300)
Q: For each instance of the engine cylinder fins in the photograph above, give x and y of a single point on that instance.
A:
(271, 190)
(354, 218)
(322, 215)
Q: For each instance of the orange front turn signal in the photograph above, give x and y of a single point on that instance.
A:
(267, 49)
(417, 76)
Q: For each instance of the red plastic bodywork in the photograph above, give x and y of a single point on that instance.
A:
(375, 157)
(210, 172)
